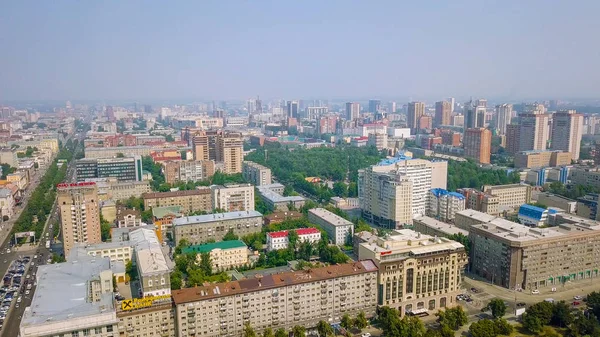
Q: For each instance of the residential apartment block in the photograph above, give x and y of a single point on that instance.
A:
(585, 176)
(512, 195)
(79, 214)
(185, 171)
(202, 228)
(277, 301)
(272, 196)
(190, 201)
(417, 273)
(256, 174)
(443, 204)
(338, 229)
(539, 159)
(233, 197)
(229, 152)
(113, 152)
(279, 240)
(558, 201)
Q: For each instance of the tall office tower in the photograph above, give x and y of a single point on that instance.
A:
(481, 102)
(79, 214)
(413, 114)
(503, 115)
(352, 110)
(391, 107)
(200, 147)
(533, 132)
(470, 112)
(443, 110)
(259, 108)
(480, 112)
(452, 104)
(478, 143)
(374, 105)
(251, 106)
(110, 113)
(567, 129)
(292, 109)
(229, 151)
(512, 138)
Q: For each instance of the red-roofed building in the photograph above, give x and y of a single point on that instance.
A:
(279, 240)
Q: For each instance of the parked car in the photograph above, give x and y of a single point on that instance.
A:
(535, 292)
(576, 303)
(521, 304)
(577, 298)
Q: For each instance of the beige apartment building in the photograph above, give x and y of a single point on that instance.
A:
(277, 301)
(513, 195)
(417, 273)
(224, 255)
(122, 190)
(230, 152)
(79, 214)
(189, 201)
(431, 226)
(256, 174)
(233, 197)
(202, 228)
(516, 256)
(156, 320)
(182, 170)
(538, 159)
(111, 152)
(558, 201)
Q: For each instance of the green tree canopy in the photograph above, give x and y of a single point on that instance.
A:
(497, 307)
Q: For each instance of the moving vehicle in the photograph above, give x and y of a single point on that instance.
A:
(47, 243)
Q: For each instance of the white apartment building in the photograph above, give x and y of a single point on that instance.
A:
(223, 255)
(256, 174)
(233, 197)
(338, 228)
(277, 301)
(279, 240)
(444, 204)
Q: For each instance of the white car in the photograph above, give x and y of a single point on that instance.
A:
(27, 292)
(535, 292)
(577, 298)
(366, 334)
(19, 299)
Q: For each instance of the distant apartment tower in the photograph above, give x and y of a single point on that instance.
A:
(567, 129)
(414, 113)
(391, 107)
(470, 113)
(379, 140)
(352, 110)
(443, 112)
(315, 112)
(256, 174)
(478, 144)
(79, 214)
(374, 105)
(233, 197)
(230, 152)
(533, 132)
(512, 138)
(292, 109)
(503, 116)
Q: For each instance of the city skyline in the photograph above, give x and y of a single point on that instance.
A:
(203, 51)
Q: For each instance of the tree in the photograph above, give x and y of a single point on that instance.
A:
(463, 239)
(453, 318)
(543, 311)
(361, 225)
(346, 322)
(206, 263)
(120, 155)
(230, 236)
(293, 240)
(532, 323)
(131, 271)
(324, 329)
(176, 280)
(268, 332)
(299, 331)
(305, 250)
(281, 333)
(340, 189)
(361, 321)
(502, 327)
(483, 328)
(248, 331)
(497, 307)
(561, 314)
(593, 302)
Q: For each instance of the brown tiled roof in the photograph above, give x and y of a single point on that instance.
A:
(217, 290)
(154, 195)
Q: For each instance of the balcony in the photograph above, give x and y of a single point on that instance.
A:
(191, 319)
(323, 285)
(275, 300)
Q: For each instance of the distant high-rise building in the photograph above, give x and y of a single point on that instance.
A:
(352, 110)
(443, 111)
(503, 115)
(567, 130)
(147, 109)
(470, 112)
(79, 214)
(110, 113)
(481, 102)
(478, 143)
(512, 138)
(230, 151)
(374, 105)
(315, 112)
(251, 106)
(480, 112)
(292, 109)
(452, 104)
(533, 131)
(413, 115)
(391, 107)
(425, 123)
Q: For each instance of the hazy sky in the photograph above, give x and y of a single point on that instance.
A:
(298, 49)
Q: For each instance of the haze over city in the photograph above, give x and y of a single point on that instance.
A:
(138, 50)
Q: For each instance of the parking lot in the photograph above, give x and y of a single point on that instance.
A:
(17, 284)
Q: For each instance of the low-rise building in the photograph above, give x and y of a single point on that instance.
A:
(189, 201)
(431, 226)
(282, 299)
(557, 201)
(279, 217)
(233, 197)
(539, 159)
(418, 273)
(7, 204)
(126, 217)
(443, 204)
(19, 179)
(151, 263)
(532, 215)
(587, 206)
(163, 219)
(279, 240)
(123, 190)
(338, 229)
(512, 195)
(224, 255)
(272, 196)
(256, 174)
(585, 176)
(202, 228)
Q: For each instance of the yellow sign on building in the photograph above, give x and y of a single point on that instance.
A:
(138, 303)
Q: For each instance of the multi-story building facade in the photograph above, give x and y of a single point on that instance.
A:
(431, 226)
(233, 197)
(193, 170)
(585, 176)
(79, 214)
(277, 301)
(557, 201)
(480, 201)
(504, 114)
(338, 229)
(478, 143)
(224, 255)
(587, 206)
(119, 190)
(229, 152)
(124, 169)
(533, 131)
(113, 152)
(512, 138)
(417, 273)
(202, 228)
(444, 204)
(190, 201)
(158, 319)
(272, 196)
(256, 174)
(352, 111)
(126, 217)
(567, 130)
(279, 240)
(516, 256)
(539, 159)
(151, 263)
(512, 195)
(7, 204)
(9, 156)
(379, 140)
(443, 111)
(450, 137)
(414, 113)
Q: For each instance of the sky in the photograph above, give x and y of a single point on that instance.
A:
(151, 50)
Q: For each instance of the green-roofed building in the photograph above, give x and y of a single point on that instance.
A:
(223, 255)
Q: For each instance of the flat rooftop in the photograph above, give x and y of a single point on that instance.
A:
(407, 242)
(272, 281)
(332, 218)
(275, 197)
(185, 193)
(207, 218)
(440, 226)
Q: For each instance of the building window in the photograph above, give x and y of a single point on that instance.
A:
(109, 328)
(149, 283)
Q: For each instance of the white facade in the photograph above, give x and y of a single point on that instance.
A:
(443, 204)
(279, 240)
(336, 227)
(232, 197)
